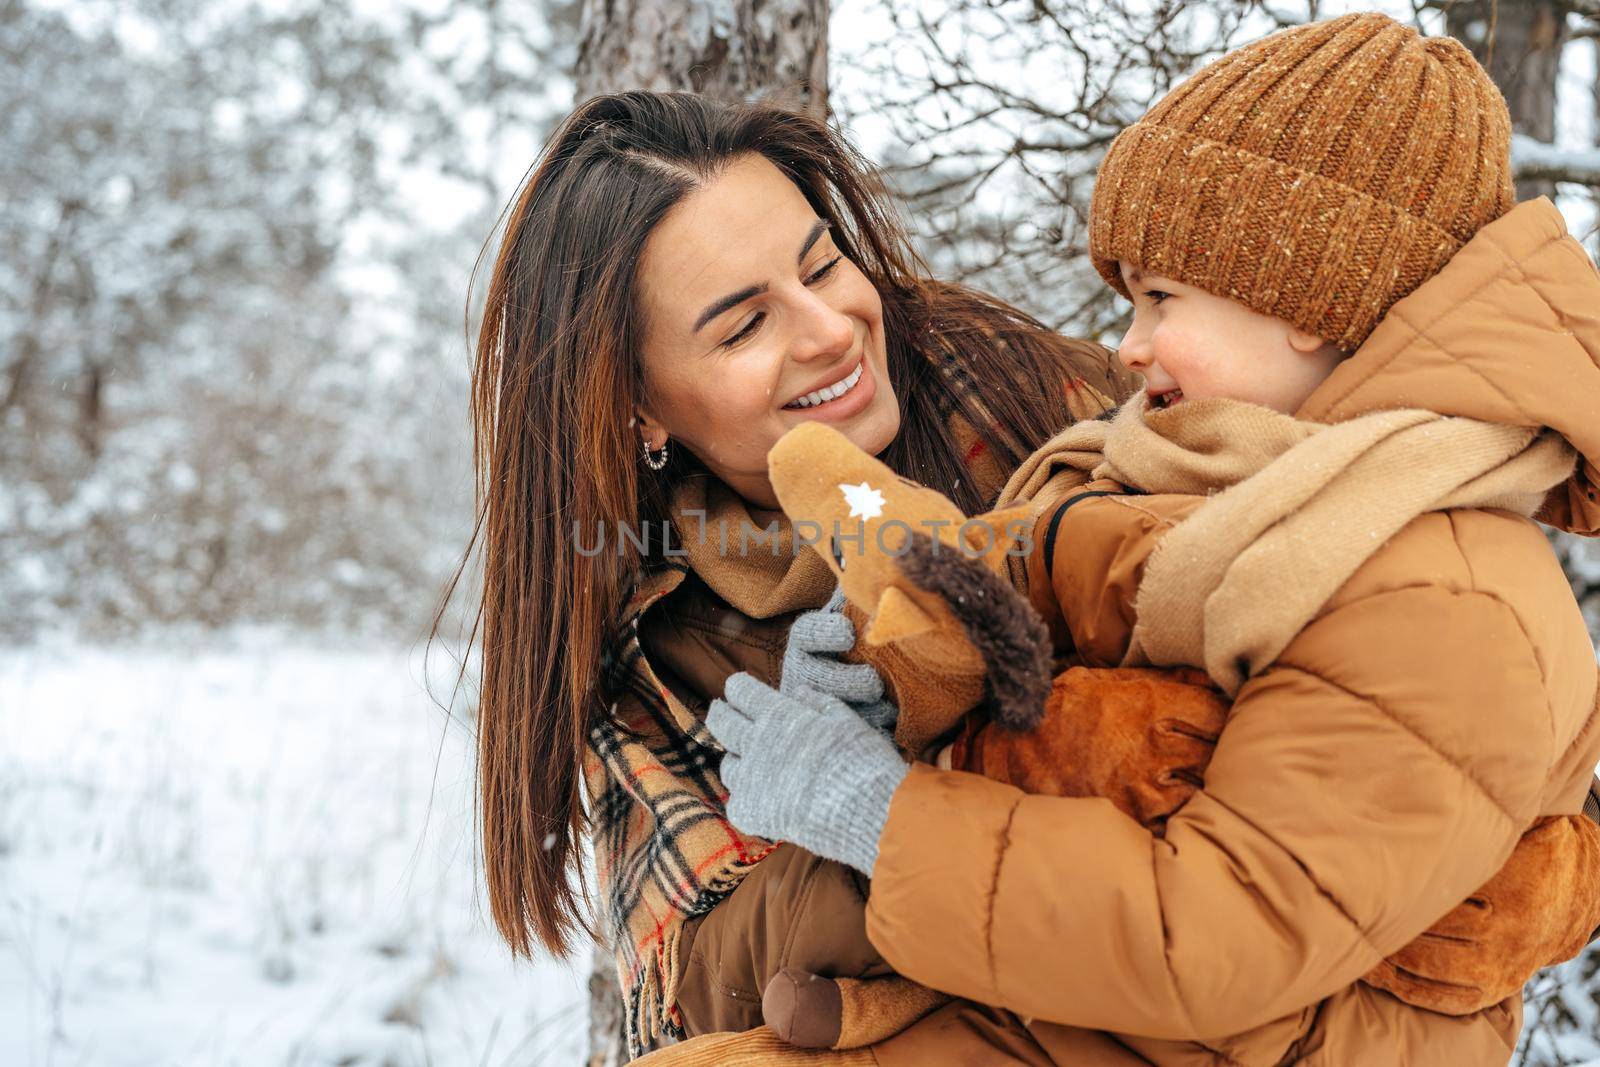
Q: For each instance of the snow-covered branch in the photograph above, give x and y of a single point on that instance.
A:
(1533, 160)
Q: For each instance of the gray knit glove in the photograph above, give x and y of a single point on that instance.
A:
(811, 660)
(805, 768)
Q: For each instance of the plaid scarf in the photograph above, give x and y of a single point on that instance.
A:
(664, 849)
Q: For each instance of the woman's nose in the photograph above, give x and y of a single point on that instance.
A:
(822, 330)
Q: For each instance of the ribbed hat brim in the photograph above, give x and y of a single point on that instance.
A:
(1282, 241)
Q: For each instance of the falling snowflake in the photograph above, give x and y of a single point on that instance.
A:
(864, 500)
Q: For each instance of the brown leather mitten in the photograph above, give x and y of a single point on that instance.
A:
(810, 1011)
(1540, 909)
(1139, 737)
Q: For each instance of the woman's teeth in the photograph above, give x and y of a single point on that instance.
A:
(1166, 400)
(822, 396)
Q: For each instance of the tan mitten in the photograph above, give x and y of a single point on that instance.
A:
(811, 1011)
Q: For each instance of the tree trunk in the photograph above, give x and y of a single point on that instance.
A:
(605, 1012)
(1520, 42)
(774, 50)
(20, 373)
(91, 408)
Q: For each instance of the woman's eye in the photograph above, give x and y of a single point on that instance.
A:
(749, 328)
(1157, 295)
(824, 270)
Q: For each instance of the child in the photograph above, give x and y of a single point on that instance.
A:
(1339, 540)
(1414, 686)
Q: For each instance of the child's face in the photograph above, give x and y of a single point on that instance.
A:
(1189, 344)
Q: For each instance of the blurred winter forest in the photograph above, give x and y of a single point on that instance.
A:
(235, 323)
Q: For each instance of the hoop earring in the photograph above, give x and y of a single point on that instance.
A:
(651, 461)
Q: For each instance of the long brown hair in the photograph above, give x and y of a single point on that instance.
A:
(556, 381)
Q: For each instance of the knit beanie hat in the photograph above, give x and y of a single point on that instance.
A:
(1317, 175)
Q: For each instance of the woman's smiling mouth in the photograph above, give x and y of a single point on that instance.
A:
(831, 392)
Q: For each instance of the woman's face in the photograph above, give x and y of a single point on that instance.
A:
(749, 312)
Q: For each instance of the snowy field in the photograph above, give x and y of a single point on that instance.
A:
(259, 854)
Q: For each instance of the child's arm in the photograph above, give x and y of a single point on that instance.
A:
(1089, 546)
(1143, 739)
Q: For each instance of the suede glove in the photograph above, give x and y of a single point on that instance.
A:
(811, 660)
(1140, 737)
(1538, 910)
(805, 767)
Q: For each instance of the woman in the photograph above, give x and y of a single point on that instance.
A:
(681, 281)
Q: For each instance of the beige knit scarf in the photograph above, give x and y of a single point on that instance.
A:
(726, 541)
(1295, 508)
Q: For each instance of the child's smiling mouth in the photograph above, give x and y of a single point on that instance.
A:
(1166, 398)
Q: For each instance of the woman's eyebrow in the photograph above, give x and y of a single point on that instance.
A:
(729, 301)
(818, 228)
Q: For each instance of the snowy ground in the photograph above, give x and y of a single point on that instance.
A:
(259, 854)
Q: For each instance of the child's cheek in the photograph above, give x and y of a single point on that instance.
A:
(1175, 351)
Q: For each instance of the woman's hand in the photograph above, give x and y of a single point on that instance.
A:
(804, 767)
(811, 660)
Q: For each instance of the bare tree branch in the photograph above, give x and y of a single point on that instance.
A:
(1000, 111)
